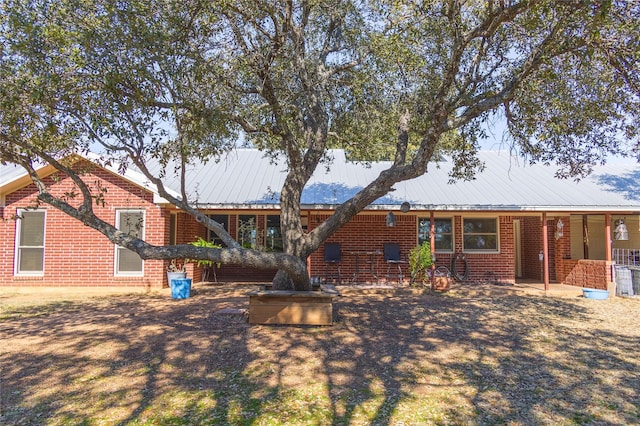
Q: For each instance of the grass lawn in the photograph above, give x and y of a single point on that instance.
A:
(406, 358)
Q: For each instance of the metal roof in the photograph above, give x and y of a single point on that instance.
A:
(10, 172)
(248, 178)
(510, 183)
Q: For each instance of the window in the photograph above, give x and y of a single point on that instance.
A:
(132, 222)
(247, 231)
(443, 233)
(30, 243)
(480, 234)
(223, 220)
(274, 234)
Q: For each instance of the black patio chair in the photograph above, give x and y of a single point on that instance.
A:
(394, 261)
(332, 258)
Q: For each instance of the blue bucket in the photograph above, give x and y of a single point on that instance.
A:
(592, 293)
(181, 288)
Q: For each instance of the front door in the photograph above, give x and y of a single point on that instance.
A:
(517, 248)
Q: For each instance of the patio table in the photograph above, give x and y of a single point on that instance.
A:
(365, 261)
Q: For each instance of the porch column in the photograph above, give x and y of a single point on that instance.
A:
(545, 250)
(432, 237)
(607, 236)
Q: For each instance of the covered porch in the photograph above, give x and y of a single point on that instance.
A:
(585, 249)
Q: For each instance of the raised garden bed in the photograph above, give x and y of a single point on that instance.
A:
(292, 307)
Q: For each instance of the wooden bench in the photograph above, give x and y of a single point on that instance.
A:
(292, 307)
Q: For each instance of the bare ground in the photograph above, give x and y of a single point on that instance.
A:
(392, 357)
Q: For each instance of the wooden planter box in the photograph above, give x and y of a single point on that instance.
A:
(291, 307)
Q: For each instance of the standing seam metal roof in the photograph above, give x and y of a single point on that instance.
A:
(249, 178)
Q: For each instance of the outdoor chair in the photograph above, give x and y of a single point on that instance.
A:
(394, 261)
(332, 259)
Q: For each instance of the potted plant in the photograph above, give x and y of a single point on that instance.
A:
(419, 263)
(176, 271)
(208, 265)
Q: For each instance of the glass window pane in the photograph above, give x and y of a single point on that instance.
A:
(131, 223)
(443, 233)
(247, 231)
(274, 234)
(480, 234)
(31, 260)
(32, 229)
(444, 242)
(478, 226)
(443, 226)
(128, 261)
(223, 220)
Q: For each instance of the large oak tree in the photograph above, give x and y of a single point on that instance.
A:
(171, 81)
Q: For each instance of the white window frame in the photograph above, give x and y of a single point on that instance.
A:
(117, 248)
(451, 221)
(18, 247)
(497, 234)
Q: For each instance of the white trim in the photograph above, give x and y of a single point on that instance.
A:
(116, 258)
(452, 221)
(497, 233)
(17, 247)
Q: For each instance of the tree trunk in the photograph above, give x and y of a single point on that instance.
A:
(283, 281)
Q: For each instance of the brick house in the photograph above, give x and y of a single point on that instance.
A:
(512, 222)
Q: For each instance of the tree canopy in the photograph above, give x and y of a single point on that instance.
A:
(168, 80)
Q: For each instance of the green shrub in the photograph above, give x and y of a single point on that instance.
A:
(201, 242)
(419, 262)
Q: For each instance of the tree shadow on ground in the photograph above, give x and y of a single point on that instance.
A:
(419, 358)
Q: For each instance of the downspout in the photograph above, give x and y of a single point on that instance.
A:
(545, 250)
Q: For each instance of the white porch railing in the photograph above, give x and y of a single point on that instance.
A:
(626, 257)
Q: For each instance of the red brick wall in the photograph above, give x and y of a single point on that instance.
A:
(368, 232)
(189, 230)
(588, 273)
(579, 272)
(501, 264)
(76, 255)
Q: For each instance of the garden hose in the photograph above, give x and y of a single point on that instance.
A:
(454, 269)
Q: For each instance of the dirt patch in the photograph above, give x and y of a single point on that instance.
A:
(394, 357)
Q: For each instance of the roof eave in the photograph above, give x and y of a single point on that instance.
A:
(434, 207)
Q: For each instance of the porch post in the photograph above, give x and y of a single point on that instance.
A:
(585, 236)
(607, 236)
(432, 237)
(545, 250)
